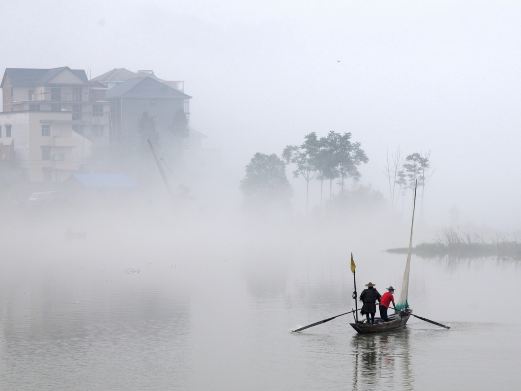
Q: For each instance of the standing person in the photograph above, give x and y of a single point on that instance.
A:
(369, 297)
(385, 301)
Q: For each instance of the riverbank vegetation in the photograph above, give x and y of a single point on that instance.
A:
(458, 245)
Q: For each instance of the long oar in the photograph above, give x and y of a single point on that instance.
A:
(321, 321)
(430, 321)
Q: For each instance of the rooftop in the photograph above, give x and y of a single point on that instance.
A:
(120, 75)
(145, 87)
(33, 77)
(115, 75)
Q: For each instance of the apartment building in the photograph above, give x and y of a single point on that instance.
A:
(144, 107)
(43, 144)
(60, 90)
(54, 120)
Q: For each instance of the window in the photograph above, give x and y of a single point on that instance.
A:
(46, 152)
(7, 130)
(46, 130)
(97, 110)
(30, 94)
(76, 111)
(76, 94)
(56, 107)
(34, 107)
(56, 94)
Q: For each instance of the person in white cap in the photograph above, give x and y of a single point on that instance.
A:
(385, 302)
(369, 297)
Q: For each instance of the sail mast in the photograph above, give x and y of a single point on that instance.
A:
(355, 294)
(403, 300)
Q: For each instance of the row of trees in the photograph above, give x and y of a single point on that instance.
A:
(334, 157)
(328, 158)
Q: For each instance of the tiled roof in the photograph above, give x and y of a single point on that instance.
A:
(33, 77)
(145, 87)
(119, 75)
(115, 75)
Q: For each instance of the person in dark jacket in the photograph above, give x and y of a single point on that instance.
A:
(369, 297)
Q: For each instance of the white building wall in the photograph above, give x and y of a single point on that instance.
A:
(68, 149)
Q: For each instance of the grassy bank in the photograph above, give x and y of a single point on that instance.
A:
(464, 246)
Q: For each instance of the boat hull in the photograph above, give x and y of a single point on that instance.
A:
(396, 321)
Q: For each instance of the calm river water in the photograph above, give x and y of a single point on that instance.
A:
(90, 313)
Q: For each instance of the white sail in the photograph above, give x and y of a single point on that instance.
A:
(404, 292)
(402, 302)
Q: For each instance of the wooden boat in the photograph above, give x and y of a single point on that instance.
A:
(399, 319)
(396, 321)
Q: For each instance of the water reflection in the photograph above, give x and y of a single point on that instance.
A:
(57, 331)
(382, 361)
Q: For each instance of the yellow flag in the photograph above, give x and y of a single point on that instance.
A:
(353, 266)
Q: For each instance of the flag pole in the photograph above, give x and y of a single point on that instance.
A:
(355, 295)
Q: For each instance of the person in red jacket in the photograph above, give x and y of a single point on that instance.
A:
(385, 301)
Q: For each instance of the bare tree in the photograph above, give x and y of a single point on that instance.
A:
(392, 169)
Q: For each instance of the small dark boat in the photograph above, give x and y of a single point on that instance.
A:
(396, 321)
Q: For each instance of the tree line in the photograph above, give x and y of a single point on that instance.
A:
(334, 157)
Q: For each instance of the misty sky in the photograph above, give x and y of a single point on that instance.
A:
(438, 76)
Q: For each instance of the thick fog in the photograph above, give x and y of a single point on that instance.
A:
(137, 275)
(438, 77)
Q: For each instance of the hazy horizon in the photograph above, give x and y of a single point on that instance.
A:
(175, 274)
(438, 77)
